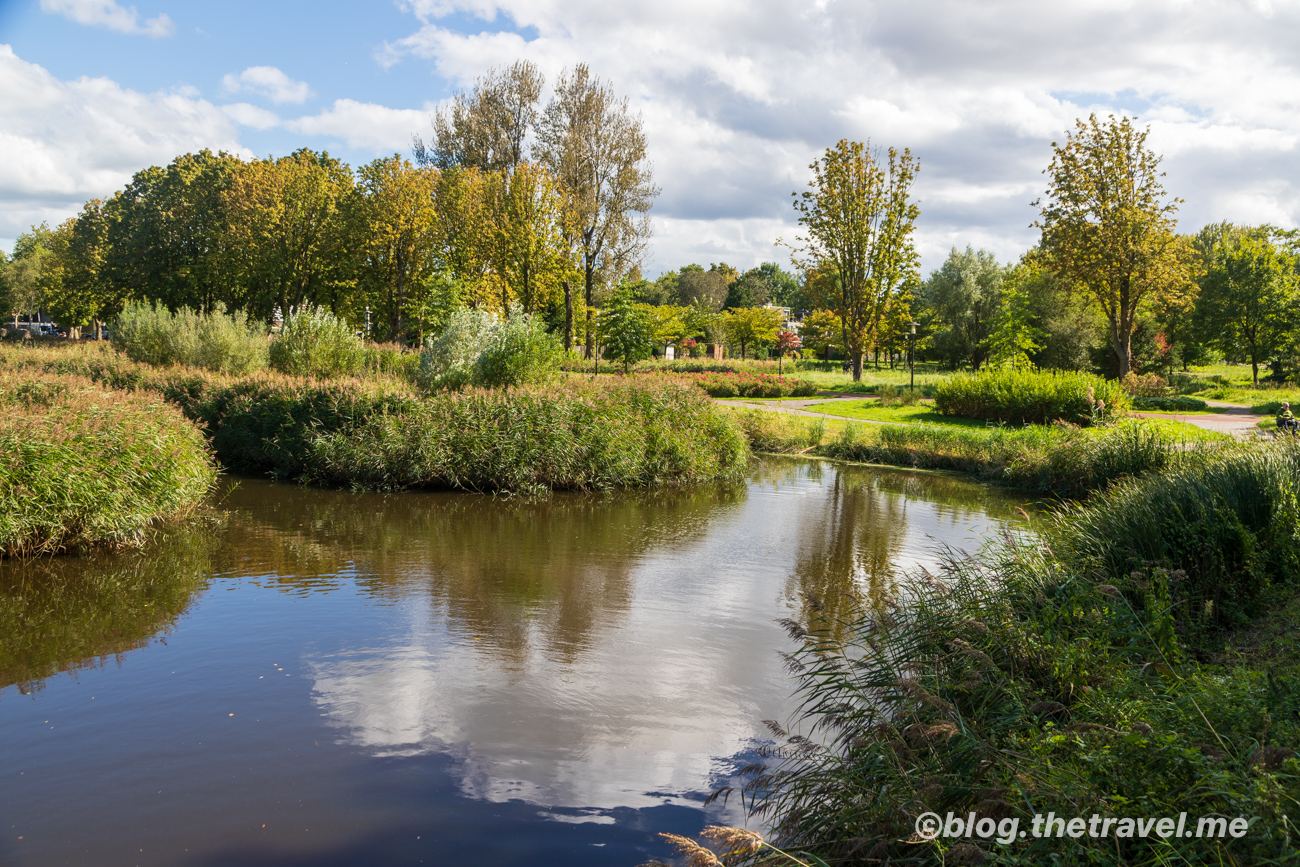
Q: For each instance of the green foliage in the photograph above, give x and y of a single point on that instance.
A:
(315, 342)
(741, 383)
(964, 299)
(479, 348)
(227, 343)
(751, 326)
(518, 352)
(81, 464)
(1024, 397)
(625, 329)
(1228, 526)
(1170, 404)
(1014, 334)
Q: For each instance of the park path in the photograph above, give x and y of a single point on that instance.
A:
(1236, 420)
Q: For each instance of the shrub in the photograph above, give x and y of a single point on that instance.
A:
(478, 348)
(315, 342)
(731, 383)
(82, 464)
(1170, 404)
(227, 343)
(1023, 397)
(1146, 385)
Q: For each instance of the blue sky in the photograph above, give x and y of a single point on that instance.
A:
(738, 96)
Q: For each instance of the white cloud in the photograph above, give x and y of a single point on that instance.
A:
(109, 15)
(251, 115)
(63, 142)
(739, 97)
(267, 81)
(365, 125)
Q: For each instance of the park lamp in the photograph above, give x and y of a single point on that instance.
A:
(911, 360)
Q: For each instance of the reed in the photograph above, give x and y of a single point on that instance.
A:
(1031, 397)
(81, 464)
(1058, 677)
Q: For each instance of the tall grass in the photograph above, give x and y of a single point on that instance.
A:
(227, 343)
(315, 342)
(382, 433)
(82, 464)
(1059, 677)
(1030, 396)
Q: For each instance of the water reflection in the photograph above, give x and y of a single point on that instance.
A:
(365, 662)
(65, 614)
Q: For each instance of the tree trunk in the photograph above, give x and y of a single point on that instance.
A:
(857, 366)
(568, 317)
(589, 340)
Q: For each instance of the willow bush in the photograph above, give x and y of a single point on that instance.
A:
(227, 343)
(314, 342)
(83, 464)
(1031, 396)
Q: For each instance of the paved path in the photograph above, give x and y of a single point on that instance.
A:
(1237, 420)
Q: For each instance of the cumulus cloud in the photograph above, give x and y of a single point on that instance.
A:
(738, 98)
(267, 81)
(63, 142)
(109, 15)
(253, 116)
(365, 125)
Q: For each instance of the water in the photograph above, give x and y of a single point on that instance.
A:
(322, 678)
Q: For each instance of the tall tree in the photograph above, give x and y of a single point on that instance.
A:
(595, 146)
(393, 214)
(85, 294)
(25, 273)
(963, 297)
(287, 223)
(1248, 299)
(529, 251)
(859, 219)
(695, 285)
(171, 242)
(487, 127)
(1108, 227)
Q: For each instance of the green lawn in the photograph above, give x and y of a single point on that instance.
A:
(870, 410)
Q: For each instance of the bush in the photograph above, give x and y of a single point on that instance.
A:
(81, 464)
(732, 383)
(477, 348)
(1146, 385)
(227, 343)
(1170, 404)
(315, 342)
(1024, 397)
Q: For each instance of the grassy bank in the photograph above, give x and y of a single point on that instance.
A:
(1141, 663)
(381, 433)
(84, 464)
(1057, 459)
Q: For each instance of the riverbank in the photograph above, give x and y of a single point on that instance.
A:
(82, 464)
(1135, 660)
(380, 433)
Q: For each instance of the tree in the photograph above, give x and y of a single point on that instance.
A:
(964, 296)
(595, 147)
(1014, 336)
(25, 274)
(667, 322)
(1107, 226)
(287, 221)
(748, 326)
(83, 293)
(859, 220)
(393, 214)
(819, 330)
(170, 242)
(486, 128)
(786, 341)
(625, 329)
(528, 250)
(1248, 299)
(695, 285)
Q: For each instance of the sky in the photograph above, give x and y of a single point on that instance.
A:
(737, 98)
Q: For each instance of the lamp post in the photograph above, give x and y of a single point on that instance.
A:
(911, 356)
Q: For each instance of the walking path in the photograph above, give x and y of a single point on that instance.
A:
(1236, 420)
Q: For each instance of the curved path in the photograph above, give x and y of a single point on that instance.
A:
(1236, 420)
